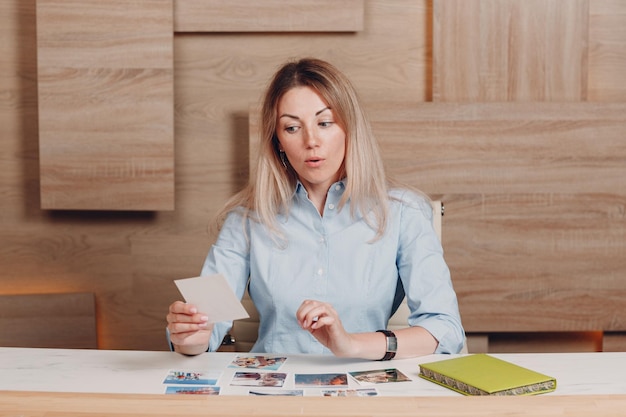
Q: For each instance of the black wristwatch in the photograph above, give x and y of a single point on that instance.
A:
(392, 345)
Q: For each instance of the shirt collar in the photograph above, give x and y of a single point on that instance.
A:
(300, 190)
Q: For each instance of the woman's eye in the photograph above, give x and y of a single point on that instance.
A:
(291, 129)
(325, 124)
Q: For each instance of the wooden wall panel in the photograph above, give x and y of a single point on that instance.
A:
(505, 147)
(508, 50)
(268, 16)
(537, 262)
(614, 342)
(106, 128)
(526, 185)
(19, 167)
(477, 342)
(48, 320)
(607, 50)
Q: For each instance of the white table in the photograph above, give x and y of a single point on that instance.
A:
(139, 372)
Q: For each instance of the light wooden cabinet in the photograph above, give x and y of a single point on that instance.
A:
(106, 104)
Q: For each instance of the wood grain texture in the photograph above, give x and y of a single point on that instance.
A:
(614, 342)
(63, 320)
(504, 147)
(105, 79)
(268, 16)
(36, 404)
(537, 262)
(477, 342)
(607, 50)
(507, 50)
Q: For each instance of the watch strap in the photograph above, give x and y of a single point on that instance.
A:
(392, 344)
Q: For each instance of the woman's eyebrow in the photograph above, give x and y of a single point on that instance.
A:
(297, 118)
(321, 111)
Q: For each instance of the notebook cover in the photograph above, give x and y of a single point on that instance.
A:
(482, 374)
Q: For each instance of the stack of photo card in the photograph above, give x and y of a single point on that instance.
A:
(192, 382)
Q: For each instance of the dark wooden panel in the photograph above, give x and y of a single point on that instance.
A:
(106, 113)
(545, 342)
(48, 320)
(268, 16)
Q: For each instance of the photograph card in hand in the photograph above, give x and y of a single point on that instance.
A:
(212, 296)
(482, 374)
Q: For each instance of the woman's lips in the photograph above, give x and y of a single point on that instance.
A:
(314, 162)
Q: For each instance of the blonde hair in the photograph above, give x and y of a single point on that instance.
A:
(270, 190)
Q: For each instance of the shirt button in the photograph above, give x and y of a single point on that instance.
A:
(331, 206)
(337, 187)
(320, 271)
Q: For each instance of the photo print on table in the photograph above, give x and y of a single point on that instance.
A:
(177, 377)
(259, 379)
(321, 380)
(270, 363)
(379, 376)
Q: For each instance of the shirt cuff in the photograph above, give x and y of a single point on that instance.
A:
(169, 340)
(448, 342)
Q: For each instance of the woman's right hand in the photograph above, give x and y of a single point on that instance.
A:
(189, 330)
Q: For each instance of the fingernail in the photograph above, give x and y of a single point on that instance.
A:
(204, 318)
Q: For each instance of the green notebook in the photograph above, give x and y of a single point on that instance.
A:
(482, 374)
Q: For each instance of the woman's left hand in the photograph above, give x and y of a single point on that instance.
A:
(322, 321)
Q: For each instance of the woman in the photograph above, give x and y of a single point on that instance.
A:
(328, 245)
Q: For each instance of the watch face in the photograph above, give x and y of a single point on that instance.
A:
(392, 344)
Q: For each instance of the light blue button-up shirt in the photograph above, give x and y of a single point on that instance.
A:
(335, 258)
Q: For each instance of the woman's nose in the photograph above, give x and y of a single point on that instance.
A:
(310, 138)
